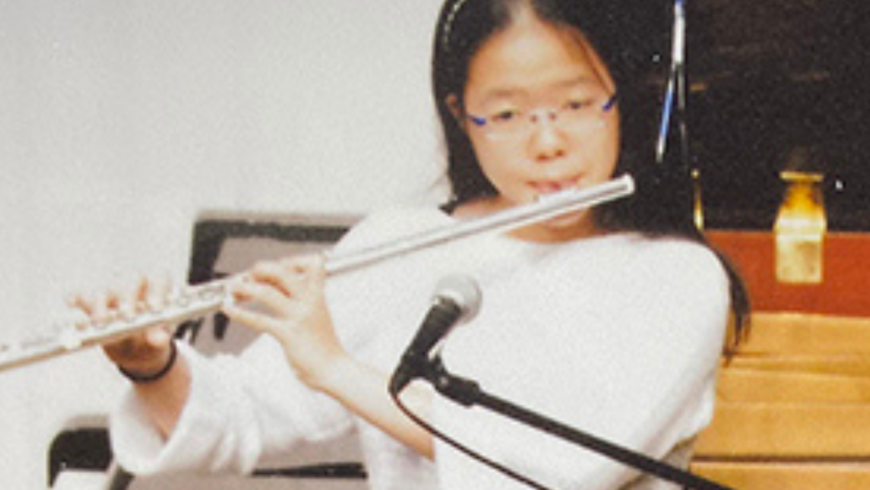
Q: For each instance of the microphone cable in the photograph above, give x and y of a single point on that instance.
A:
(397, 399)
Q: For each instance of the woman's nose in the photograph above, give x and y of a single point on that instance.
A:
(547, 141)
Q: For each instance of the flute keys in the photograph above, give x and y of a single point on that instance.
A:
(70, 338)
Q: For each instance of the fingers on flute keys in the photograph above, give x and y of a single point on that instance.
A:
(105, 307)
(287, 289)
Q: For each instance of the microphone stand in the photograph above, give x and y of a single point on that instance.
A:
(467, 392)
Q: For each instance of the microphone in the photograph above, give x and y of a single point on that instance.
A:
(456, 299)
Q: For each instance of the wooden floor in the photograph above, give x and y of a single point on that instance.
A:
(793, 408)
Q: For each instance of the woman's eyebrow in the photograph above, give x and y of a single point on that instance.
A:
(585, 80)
(501, 93)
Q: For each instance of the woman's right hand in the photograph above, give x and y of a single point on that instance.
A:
(143, 353)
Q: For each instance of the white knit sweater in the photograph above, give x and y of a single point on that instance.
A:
(617, 335)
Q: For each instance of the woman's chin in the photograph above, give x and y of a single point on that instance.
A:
(578, 224)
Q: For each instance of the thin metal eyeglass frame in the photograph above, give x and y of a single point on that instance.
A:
(481, 121)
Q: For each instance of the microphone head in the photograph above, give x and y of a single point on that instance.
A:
(463, 291)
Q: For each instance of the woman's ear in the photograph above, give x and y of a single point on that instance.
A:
(455, 108)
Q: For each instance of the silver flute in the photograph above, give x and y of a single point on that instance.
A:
(200, 300)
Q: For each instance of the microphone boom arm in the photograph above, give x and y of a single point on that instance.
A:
(468, 393)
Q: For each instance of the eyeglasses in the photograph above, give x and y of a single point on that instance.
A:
(577, 116)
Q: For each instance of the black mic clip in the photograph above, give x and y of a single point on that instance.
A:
(412, 366)
(464, 391)
(461, 390)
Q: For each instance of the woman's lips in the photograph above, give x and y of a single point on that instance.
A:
(549, 187)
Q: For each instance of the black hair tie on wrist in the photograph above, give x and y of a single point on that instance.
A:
(150, 378)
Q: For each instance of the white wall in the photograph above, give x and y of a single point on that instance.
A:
(120, 120)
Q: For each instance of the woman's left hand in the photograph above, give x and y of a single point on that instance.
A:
(291, 292)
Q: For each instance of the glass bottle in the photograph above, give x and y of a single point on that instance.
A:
(800, 228)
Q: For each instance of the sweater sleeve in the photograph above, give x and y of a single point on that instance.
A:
(239, 410)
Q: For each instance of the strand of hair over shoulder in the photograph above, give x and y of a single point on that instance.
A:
(448, 23)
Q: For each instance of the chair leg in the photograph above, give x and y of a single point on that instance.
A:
(119, 479)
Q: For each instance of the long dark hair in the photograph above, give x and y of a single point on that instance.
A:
(632, 38)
